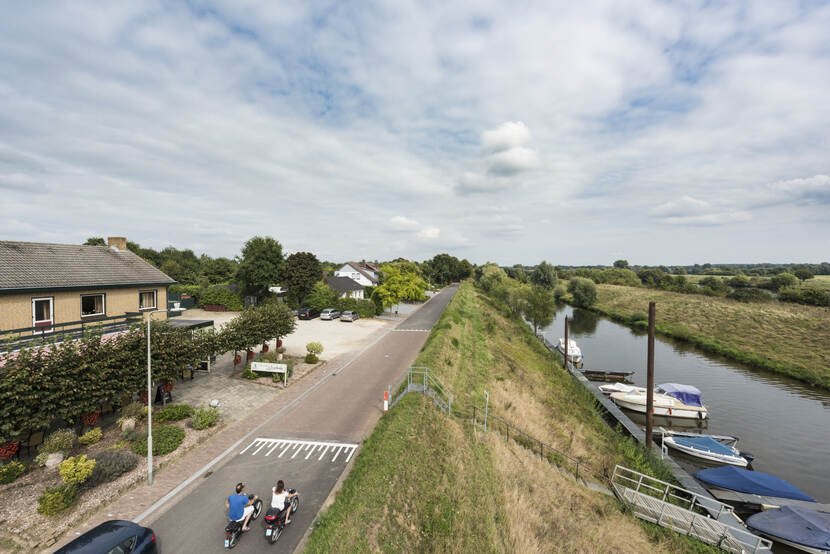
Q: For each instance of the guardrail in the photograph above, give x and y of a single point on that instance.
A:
(420, 379)
(15, 339)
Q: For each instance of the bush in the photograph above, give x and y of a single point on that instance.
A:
(814, 297)
(314, 348)
(222, 296)
(91, 437)
(205, 417)
(11, 471)
(750, 295)
(129, 435)
(76, 470)
(133, 410)
(173, 412)
(311, 359)
(364, 308)
(56, 499)
(110, 465)
(638, 316)
(583, 291)
(166, 439)
(559, 291)
(248, 374)
(61, 440)
(783, 280)
(40, 459)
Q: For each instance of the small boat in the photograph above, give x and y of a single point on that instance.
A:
(706, 448)
(670, 400)
(620, 387)
(601, 375)
(797, 527)
(751, 482)
(574, 353)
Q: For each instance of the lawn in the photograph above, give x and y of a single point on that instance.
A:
(787, 338)
(426, 482)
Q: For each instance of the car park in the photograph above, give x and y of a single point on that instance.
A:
(329, 313)
(114, 537)
(349, 315)
(307, 313)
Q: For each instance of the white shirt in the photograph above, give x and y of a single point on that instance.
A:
(278, 500)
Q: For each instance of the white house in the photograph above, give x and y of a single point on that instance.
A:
(363, 273)
(345, 287)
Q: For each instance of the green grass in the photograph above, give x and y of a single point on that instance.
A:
(784, 338)
(821, 282)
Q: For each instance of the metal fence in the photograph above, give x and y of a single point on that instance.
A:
(420, 379)
(14, 339)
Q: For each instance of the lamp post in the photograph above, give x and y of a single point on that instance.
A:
(150, 404)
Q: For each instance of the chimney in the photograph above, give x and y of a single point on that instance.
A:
(118, 243)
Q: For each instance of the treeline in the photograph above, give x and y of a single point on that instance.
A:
(762, 269)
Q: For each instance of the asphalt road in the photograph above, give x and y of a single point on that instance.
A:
(308, 446)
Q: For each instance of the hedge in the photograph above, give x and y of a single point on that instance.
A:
(166, 439)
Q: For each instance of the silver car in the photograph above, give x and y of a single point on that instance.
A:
(349, 315)
(329, 313)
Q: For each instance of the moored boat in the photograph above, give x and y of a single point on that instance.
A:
(620, 387)
(603, 375)
(574, 353)
(798, 527)
(751, 482)
(706, 448)
(670, 400)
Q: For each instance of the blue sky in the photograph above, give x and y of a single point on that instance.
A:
(573, 132)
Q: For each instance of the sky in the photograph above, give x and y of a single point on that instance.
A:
(574, 132)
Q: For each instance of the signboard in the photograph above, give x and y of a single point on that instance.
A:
(272, 368)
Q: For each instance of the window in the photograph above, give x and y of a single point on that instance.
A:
(147, 300)
(92, 304)
(125, 547)
(42, 314)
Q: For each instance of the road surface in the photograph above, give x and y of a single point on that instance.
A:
(308, 446)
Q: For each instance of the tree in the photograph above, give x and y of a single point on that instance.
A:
(218, 270)
(544, 275)
(803, 274)
(262, 263)
(517, 272)
(583, 291)
(400, 282)
(622, 264)
(302, 271)
(321, 296)
(783, 280)
(95, 241)
(739, 281)
(539, 307)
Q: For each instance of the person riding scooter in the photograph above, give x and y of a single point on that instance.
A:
(279, 499)
(240, 507)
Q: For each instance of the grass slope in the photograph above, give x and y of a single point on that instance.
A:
(785, 338)
(426, 482)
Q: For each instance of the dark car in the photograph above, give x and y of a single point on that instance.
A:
(307, 313)
(114, 537)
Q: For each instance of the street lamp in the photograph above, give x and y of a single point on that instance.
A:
(150, 404)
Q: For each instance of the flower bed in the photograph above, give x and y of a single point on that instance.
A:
(299, 370)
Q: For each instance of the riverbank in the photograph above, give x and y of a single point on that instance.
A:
(784, 338)
(430, 483)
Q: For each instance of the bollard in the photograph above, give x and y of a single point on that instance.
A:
(385, 401)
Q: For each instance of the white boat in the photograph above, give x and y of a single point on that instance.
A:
(620, 387)
(670, 400)
(706, 448)
(574, 353)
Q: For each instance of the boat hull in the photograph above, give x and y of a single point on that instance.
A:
(661, 407)
(736, 460)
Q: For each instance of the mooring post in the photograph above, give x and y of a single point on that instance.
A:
(566, 342)
(650, 377)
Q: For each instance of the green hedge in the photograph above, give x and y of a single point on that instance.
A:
(364, 308)
(173, 412)
(222, 296)
(166, 439)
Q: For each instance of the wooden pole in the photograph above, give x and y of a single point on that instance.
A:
(566, 343)
(650, 377)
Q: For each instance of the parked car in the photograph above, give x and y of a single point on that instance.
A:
(307, 313)
(329, 313)
(349, 315)
(114, 536)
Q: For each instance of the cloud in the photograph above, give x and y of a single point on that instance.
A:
(513, 161)
(691, 211)
(508, 135)
(505, 156)
(814, 189)
(429, 233)
(401, 223)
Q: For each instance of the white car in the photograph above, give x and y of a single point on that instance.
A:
(329, 313)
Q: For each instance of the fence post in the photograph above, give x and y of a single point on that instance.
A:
(486, 405)
(577, 469)
(386, 400)
(507, 431)
(475, 421)
(541, 450)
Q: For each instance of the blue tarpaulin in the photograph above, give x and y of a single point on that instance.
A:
(687, 394)
(795, 524)
(751, 482)
(707, 444)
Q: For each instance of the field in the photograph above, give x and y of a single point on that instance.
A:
(426, 482)
(786, 338)
(818, 282)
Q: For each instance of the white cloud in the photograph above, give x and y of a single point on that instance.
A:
(507, 135)
(401, 223)
(512, 161)
(691, 211)
(429, 233)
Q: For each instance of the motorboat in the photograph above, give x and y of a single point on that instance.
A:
(797, 527)
(574, 353)
(706, 448)
(669, 399)
(603, 375)
(751, 482)
(620, 387)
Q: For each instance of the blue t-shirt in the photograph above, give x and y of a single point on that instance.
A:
(237, 506)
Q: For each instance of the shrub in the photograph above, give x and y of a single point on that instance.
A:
(61, 440)
(783, 280)
(813, 297)
(91, 437)
(750, 295)
(248, 374)
(289, 369)
(314, 348)
(166, 439)
(222, 296)
(40, 459)
(205, 417)
(76, 470)
(638, 316)
(583, 291)
(173, 412)
(129, 435)
(11, 471)
(56, 499)
(559, 291)
(311, 359)
(110, 465)
(133, 410)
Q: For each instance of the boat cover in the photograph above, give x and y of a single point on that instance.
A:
(751, 482)
(707, 444)
(796, 524)
(687, 394)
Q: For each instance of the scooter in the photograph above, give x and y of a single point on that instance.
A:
(233, 530)
(275, 518)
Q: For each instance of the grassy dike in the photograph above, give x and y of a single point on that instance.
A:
(790, 339)
(427, 482)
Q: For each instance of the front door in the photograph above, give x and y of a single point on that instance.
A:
(42, 315)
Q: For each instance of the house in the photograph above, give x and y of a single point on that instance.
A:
(345, 287)
(364, 273)
(43, 285)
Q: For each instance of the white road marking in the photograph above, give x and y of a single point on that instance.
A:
(412, 330)
(334, 449)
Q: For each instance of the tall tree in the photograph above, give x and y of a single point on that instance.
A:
(544, 275)
(622, 264)
(217, 270)
(583, 291)
(261, 264)
(321, 296)
(400, 282)
(539, 306)
(95, 241)
(302, 270)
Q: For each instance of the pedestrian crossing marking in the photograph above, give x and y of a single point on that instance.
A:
(296, 447)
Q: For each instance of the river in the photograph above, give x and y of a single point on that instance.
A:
(783, 422)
